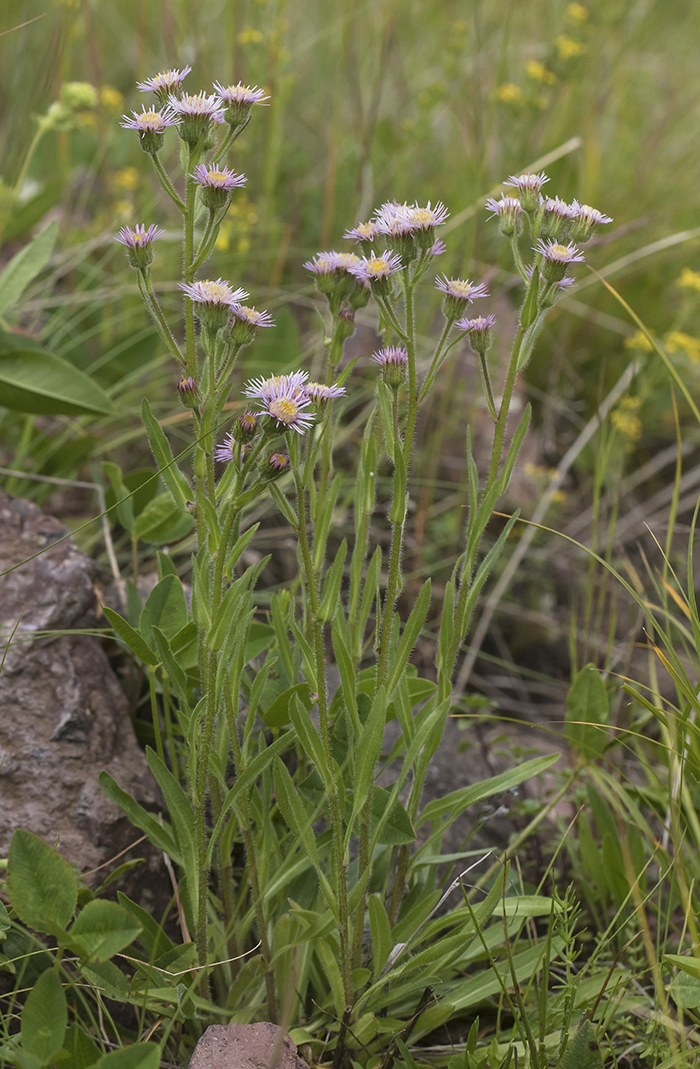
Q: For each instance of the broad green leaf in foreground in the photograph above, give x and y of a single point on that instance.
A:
(44, 1018)
(40, 885)
(41, 383)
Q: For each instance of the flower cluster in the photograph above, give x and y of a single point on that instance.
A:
(286, 398)
(408, 230)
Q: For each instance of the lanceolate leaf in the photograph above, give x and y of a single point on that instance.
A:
(26, 265)
(41, 383)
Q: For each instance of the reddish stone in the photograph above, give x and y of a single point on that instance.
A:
(246, 1046)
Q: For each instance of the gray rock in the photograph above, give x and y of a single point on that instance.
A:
(63, 715)
(246, 1046)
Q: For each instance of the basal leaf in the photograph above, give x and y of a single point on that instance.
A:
(40, 885)
(41, 383)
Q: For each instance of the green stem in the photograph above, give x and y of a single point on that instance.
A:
(151, 302)
(154, 714)
(499, 433)
(167, 184)
(339, 866)
(243, 810)
(515, 249)
(189, 275)
(394, 577)
(435, 362)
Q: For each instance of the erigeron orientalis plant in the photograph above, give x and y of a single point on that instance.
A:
(289, 852)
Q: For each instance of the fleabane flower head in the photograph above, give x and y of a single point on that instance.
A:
(263, 388)
(195, 114)
(509, 211)
(238, 101)
(377, 269)
(409, 227)
(224, 452)
(364, 234)
(188, 392)
(321, 394)
(150, 125)
(479, 331)
(139, 244)
(459, 293)
(215, 300)
(529, 187)
(245, 321)
(165, 84)
(557, 216)
(215, 184)
(393, 362)
(336, 279)
(285, 403)
(586, 221)
(556, 258)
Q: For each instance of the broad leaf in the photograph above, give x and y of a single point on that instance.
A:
(40, 885)
(44, 1018)
(41, 383)
(102, 929)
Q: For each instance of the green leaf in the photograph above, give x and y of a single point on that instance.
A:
(331, 587)
(182, 818)
(152, 937)
(40, 885)
(26, 265)
(165, 608)
(161, 521)
(174, 479)
(457, 801)
(108, 979)
(124, 506)
(380, 930)
(102, 929)
(131, 636)
(160, 835)
(44, 1018)
(587, 713)
(369, 747)
(529, 312)
(140, 1056)
(410, 634)
(396, 827)
(83, 1050)
(583, 1052)
(685, 991)
(292, 809)
(41, 383)
(278, 713)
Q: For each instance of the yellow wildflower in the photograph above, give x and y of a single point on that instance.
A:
(567, 47)
(677, 342)
(127, 179)
(509, 93)
(249, 36)
(624, 419)
(577, 13)
(689, 280)
(539, 73)
(639, 340)
(111, 98)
